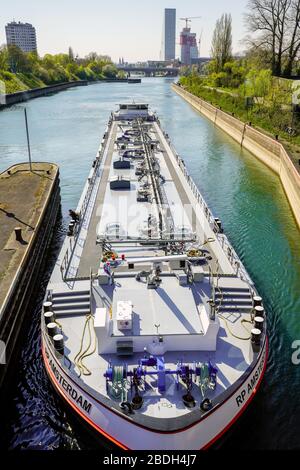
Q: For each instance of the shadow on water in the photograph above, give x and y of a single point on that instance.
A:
(36, 417)
(67, 128)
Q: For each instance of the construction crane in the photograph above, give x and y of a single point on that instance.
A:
(200, 43)
(189, 19)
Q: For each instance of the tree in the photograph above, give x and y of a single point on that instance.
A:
(18, 61)
(110, 71)
(71, 54)
(294, 46)
(96, 67)
(48, 61)
(221, 49)
(20, 70)
(259, 83)
(185, 71)
(3, 58)
(121, 74)
(276, 28)
(258, 58)
(92, 56)
(267, 19)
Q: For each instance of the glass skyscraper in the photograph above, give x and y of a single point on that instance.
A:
(169, 34)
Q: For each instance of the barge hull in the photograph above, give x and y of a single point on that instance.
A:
(114, 426)
(168, 364)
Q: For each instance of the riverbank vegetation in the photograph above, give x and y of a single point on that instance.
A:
(250, 94)
(22, 71)
(259, 85)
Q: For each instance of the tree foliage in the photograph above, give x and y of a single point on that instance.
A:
(258, 84)
(20, 70)
(270, 110)
(221, 49)
(275, 28)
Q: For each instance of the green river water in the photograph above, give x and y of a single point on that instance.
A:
(66, 128)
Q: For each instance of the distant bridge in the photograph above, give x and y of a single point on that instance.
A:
(150, 71)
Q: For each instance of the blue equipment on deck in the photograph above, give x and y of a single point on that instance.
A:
(205, 372)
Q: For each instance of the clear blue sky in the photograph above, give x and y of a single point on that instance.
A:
(120, 28)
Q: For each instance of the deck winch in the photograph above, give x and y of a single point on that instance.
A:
(204, 375)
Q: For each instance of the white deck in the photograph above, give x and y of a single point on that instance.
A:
(231, 359)
(170, 304)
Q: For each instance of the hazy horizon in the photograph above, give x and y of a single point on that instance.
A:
(132, 31)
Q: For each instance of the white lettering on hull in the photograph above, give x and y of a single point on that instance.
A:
(249, 387)
(71, 391)
(198, 436)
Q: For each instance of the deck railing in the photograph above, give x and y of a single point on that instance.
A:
(229, 251)
(66, 262)
(91, 290)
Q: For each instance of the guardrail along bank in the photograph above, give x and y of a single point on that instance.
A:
(268, 150)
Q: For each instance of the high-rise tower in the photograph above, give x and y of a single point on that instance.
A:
(22, 35)
(169, 35)
(189, 48)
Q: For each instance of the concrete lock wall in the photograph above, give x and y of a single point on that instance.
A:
(20, 96)
(25, 282)
(268, 150)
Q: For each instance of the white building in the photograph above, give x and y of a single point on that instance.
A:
(22, 35)
(169, 35)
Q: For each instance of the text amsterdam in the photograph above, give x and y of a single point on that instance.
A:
(76, 397)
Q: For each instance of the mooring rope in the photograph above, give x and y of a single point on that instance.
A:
(81, 355)
(231, 332)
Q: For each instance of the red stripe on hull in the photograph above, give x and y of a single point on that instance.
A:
(244, 407)
(89, 421)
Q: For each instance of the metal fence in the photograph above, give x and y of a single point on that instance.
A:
(66, 262)
(227, 247)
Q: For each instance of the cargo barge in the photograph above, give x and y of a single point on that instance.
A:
(152, 330)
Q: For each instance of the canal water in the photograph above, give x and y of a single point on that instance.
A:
(66, 128)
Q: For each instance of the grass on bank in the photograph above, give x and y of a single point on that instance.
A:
(272, 117)
(19, 82)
